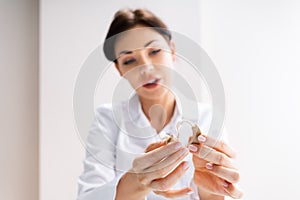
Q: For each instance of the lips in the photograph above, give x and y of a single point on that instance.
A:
(151, 83)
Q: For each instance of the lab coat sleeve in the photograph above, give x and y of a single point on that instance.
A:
(99, 178)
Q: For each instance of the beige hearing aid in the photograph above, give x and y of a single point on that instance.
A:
(196, 133)
(195, 130)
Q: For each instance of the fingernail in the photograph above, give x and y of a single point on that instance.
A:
(209, 166)
(185, 166)
(201, 138)
(193, 148)
(178, 145)
(225, 184)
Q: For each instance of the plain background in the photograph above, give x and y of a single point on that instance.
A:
(19, 169)
(254, 44)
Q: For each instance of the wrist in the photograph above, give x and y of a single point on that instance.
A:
(129, 188)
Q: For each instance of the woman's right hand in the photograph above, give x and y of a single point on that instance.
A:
(156, 170)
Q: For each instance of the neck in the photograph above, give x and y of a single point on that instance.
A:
(159, 111)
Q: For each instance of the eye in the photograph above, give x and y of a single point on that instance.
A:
(128, 62)
(154, 52)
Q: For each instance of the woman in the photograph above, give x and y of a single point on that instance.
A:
(131, 164)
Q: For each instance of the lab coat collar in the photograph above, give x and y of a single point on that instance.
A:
(138, 116)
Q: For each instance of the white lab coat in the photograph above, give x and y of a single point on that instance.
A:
(114, 141)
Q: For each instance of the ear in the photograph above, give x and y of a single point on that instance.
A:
(118, 68)
(172, 46)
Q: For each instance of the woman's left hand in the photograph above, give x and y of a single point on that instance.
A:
(169, 193)
(215, 172)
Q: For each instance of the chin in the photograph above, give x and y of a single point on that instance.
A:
(152, 95)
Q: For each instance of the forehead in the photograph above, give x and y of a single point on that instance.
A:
(137, 38)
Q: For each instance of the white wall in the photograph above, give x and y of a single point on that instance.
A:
(19, 99)
(256, 45)
(70, 31)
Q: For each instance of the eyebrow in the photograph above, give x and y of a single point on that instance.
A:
(129, 52)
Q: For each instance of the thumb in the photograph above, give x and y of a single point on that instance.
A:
(155, 145)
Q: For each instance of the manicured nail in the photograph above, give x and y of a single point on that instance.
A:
(209, 166)
(225, 184)
(185, 166)
(193, 148)
(201, 138)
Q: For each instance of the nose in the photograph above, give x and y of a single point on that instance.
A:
(144, 59)
(145, 64)
(146, 69)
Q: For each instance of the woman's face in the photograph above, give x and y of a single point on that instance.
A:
(145, 59)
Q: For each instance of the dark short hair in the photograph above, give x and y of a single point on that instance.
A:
(126, 19)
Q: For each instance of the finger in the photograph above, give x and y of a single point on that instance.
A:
(211, 155)
(219, 145)
(163, 168)
(175, 193)
(171, 179)
(169, 162)
(218, 186)
(230, 175)
(199, 163)
(233, 191)
(148, 159)
(155, 145)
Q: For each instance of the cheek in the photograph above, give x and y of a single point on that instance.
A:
(132, 78)
(166, 67)
(128, 73)
(166, 60)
